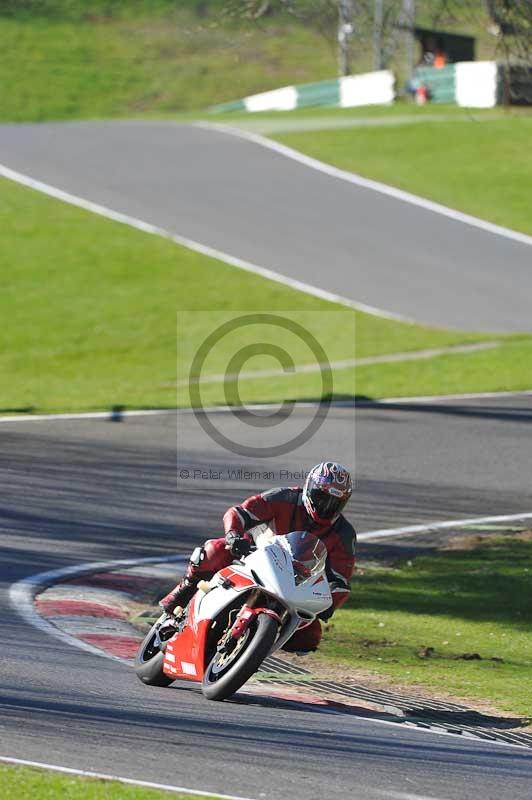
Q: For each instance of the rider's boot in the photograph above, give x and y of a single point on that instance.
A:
(182, 594)
(179, 596)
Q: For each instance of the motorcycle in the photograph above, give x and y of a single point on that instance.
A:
(243, 614)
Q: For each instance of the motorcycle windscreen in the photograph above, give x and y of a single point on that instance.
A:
(308, 554)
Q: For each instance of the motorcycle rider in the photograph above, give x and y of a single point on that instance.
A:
(316, 507)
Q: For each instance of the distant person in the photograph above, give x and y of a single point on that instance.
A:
(440, 59)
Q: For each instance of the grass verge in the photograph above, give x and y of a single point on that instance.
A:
(484, 169)
(90, 311)
(21, 782)
(457, 621)
(149, 59)
(302, 120)
(504, 369)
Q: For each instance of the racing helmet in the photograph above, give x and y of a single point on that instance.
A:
(327, 489)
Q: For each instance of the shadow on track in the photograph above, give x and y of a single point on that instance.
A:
(197, 726)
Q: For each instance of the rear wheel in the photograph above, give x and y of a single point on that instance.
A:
(228, 671)
(149, 660)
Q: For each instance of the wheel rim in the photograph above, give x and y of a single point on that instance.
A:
(151, 649)
(223, 661)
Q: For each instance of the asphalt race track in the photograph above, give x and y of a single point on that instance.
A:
(77, 491)
(257, 205)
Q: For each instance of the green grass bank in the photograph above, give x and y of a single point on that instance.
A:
(26, 782)
(70, 59)
(458, 622)
(478, 164)
(145, 59)
(91, 310)
(97, 313)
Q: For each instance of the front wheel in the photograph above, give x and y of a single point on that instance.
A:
(226, 673)
(149, 659)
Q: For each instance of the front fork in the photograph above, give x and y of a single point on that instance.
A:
(244, 619)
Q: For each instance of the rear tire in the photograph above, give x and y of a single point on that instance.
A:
(219, 685)
(149, 662)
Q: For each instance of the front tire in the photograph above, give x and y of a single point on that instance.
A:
(149, 661)
(219, 683)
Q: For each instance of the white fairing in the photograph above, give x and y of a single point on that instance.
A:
(272, 566)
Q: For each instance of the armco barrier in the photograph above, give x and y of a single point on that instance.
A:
(473, 84)
(284, 99)
(477, 84)
(324, 93)
(441, 83)
(371, 88)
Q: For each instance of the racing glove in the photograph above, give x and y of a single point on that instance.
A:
(237, 544)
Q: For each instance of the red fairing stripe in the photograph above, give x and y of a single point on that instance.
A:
(238, 580)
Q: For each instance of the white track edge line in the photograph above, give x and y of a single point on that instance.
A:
(442, 397)
(440, 526)
(191, 244)
(367, 183)
(105, 415)
(407, 796)
(130, 781)
(346, 363)
(110, 415)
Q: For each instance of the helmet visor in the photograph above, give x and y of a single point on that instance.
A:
(326, 505)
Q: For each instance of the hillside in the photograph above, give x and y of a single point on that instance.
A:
(68, 59)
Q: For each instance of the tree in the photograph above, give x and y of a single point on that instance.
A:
(347, 22)
(354, 23)
(512, 23)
